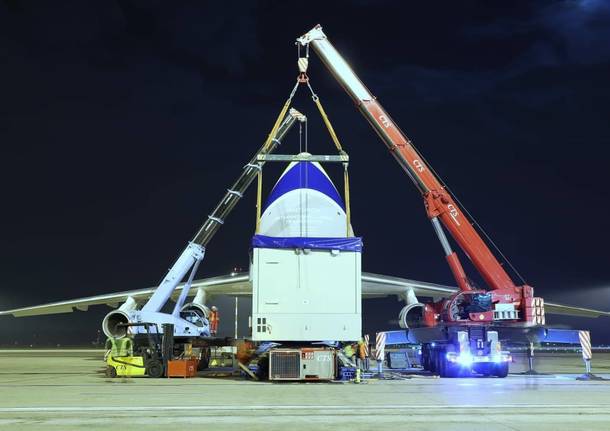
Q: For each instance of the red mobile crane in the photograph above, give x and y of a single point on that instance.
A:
(459, 332)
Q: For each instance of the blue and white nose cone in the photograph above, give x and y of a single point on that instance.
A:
(304, 203)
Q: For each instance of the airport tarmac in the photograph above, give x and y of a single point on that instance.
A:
(66, 389)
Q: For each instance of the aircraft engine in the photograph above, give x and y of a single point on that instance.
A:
(411, 316)
(198, 308)
(110, 324)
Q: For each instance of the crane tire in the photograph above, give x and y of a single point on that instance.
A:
(484, 368)
(432, 361)
(425, 358)
(442, 364)
(501, 370)
(447, 368)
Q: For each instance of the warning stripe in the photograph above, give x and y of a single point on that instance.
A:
(585, 343)
(303, 63)
(538, 317)
(366, 345)
(380, 346)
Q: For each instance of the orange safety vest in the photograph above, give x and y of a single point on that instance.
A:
(362, 351)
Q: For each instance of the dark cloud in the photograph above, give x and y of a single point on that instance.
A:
(571, 35)
(555, 33)
(578, 31)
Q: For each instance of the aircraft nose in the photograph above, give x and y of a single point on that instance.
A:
(304, 203)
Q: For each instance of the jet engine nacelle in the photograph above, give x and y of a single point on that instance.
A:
(199, 309)
(189, 324)
(412, 316)
(111, 325)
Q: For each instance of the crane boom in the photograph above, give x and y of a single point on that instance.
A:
(195, 250)
(235, 192)
(439, 203)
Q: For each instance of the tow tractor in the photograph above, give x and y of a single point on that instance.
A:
(461, 333)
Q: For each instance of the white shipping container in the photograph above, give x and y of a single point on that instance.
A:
(306, 295)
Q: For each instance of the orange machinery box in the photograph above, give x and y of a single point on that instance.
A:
(182, 368)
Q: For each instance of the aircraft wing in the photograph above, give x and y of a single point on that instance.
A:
(568, 310)
(376, 285)
(231, 284)
(238, 284)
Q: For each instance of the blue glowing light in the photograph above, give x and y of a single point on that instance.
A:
(463, 359)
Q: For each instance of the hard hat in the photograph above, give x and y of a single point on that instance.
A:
(214, 308)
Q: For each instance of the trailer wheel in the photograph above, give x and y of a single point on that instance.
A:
(501, 370)
(204, 361)
(263, 367)
(154, 369)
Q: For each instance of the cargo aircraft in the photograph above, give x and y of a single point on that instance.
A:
(285, 219)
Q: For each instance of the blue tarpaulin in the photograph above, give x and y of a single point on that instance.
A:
(343, 244)
(396, 337)
(551, 335)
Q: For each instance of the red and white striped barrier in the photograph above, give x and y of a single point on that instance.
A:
(587, 353)
(380, 346)
(585, 343)
(366, 346)
(539, 317)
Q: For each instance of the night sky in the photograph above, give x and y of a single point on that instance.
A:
(123, 122)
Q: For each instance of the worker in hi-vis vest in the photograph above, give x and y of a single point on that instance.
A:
(349, 350)
(214, 319)
(362, 355)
